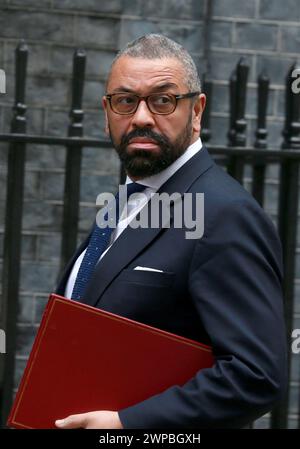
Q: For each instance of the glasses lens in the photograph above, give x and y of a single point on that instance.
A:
(124, 103)
(162, 103)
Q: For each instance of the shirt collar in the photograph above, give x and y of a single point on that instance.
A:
(155, 181)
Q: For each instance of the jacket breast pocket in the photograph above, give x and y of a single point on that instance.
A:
(144, 296)
(147, 278)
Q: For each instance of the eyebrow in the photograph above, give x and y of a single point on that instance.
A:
(159, 87)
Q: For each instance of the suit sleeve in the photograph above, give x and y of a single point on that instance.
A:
(235, 284)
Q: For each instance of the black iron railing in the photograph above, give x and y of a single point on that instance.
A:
(234, 156)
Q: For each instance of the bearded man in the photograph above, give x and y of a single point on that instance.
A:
(222, 288)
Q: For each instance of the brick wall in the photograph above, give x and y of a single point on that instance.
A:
(267, 32)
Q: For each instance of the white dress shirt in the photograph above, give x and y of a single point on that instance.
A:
(153, 183)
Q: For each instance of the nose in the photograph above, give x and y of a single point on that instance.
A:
(142, 116)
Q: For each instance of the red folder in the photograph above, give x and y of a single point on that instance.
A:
(86, 359)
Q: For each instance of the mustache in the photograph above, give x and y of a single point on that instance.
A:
(144, 132)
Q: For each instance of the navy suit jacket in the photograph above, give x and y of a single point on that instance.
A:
(223, 289)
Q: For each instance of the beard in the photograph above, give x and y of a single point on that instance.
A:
(143, 163)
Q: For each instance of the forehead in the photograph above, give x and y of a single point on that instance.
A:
(140, 74)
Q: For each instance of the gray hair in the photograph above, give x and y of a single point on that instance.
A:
(157, 46)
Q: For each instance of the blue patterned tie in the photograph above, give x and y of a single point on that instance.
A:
(97, 245)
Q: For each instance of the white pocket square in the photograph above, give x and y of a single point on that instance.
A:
(148, 269)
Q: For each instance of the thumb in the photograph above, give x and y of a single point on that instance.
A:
(71, 422)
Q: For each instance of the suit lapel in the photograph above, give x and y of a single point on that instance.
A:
(132, 241)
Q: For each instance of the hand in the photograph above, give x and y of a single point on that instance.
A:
(103, 419)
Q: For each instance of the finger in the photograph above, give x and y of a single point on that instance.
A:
(73, 421)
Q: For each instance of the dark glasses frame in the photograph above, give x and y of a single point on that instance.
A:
(146, 98)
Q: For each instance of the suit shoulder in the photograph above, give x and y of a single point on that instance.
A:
(226, 197)
(220, 188)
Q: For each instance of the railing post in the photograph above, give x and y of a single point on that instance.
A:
(259, 167)
(13, 235)
(73, 161)
(288, 214)
(232, 106)
(237, 131)
(207, 88)
(122, 174)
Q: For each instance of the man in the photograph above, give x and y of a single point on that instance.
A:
(222, 289)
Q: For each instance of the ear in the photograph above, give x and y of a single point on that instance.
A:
(104, 104)
(198, 109)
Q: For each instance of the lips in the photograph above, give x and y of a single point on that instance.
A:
(142, 140)
(143, 143)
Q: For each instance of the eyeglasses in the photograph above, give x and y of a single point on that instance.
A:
(163, 104)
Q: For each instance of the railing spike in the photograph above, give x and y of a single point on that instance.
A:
(291, 131)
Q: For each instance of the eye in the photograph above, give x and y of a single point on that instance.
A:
(125, 99)
(161, 100)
